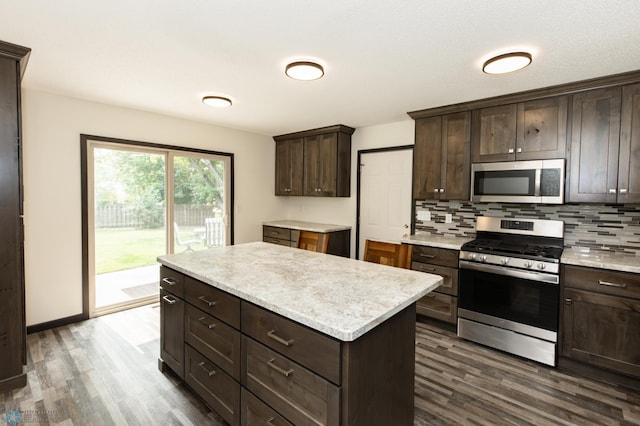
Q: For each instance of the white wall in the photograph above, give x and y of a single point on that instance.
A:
(342, 211)
(51, 158)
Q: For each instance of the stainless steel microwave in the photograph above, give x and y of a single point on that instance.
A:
(538, 181)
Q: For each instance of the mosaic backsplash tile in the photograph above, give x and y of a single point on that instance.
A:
(611, 227)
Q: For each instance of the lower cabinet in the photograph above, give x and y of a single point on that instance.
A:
(601, 319)
(442, 303)
(253, 366)
(339, 241)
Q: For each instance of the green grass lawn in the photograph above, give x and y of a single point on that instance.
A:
(119, 249)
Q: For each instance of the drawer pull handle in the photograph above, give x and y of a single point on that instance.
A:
(424, 268)
(169, 281)
(209, 303)
(279, 339)
(428, 256)
(274, 233)
(209, 326)
(211, 372)
(168, 300)
(609, 284)
(270, 421)
(285, 373)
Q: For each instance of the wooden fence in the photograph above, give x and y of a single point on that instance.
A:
(122, 215)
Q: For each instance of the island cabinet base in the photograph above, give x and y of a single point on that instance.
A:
(253, 366)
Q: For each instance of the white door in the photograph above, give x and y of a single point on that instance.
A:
(385, 196)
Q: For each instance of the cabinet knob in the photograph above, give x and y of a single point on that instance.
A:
(567, 301)
(623, 191)
(435, 189)
(519, 150)
(612, 191)
(510, 150)
(441, 190)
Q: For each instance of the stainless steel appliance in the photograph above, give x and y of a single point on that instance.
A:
(509, 289)
(539, 181)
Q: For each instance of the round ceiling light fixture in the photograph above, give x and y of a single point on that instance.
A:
(507, 62)
(304, 70)
(217, 101)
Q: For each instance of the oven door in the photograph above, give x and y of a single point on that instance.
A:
(510, 298)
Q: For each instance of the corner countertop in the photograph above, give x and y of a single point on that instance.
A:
(441, 241)
(603, 259)
(341, 297)
(307, 226)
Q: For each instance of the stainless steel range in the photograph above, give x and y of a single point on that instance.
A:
(509, 287)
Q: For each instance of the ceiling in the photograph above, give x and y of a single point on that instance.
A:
(382, 58)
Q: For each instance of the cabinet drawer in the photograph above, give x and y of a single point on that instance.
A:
(172, 281)
(440, 306)
(256, 412)
(275, 232)
(602, 281)
(301, 396)
(215, 302)
(213, 385)
(314, 350)
(277, 241)
(449, 276)
(437, 256)
(214, 339)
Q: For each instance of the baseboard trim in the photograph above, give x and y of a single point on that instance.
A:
(36, 328)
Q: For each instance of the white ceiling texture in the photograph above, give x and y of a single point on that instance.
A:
(382, 58)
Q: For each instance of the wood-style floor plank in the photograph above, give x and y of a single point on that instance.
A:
(104, 372)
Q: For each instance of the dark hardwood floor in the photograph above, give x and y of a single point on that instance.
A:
(104, 372)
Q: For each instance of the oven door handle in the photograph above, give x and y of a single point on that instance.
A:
(516, 273)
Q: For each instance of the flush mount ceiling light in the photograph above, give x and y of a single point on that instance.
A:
(304, 70)
(217, 101)
(508, 62)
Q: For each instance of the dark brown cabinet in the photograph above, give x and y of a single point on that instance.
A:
(441, 163)
(601, 319)
(339, 241)
(320, 168)
(605, 146)
(531, 130)
(442, 303)
(172, 320)
(289, 157)
(12, 315)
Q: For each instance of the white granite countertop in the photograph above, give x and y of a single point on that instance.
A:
(307, 226)
(441, 241)
(343, 298)
(601, 259)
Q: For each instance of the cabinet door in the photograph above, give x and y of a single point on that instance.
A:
(172, 332)
(595, 139)
(494, 134)
(542, 129)
(320, 165)
(629, 161)
(289, 167)
(456, 140)
(427, 158)
(602, 330)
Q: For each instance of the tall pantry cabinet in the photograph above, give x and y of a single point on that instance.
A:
(13, 60)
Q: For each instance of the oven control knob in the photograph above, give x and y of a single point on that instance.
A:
(541, 266)
(472, 256)
(484, 258)
(504, 261)
(528, 264)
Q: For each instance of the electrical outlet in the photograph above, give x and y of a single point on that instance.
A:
(423, 215)
(448, 218)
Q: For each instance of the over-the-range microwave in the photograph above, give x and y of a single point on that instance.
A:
(537, 181)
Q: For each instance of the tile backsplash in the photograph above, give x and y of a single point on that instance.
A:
(611, 227)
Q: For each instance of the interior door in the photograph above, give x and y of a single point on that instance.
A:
(385, 196)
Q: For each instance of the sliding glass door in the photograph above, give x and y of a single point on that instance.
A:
(144, 202)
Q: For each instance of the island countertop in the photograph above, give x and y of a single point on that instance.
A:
(341, 297)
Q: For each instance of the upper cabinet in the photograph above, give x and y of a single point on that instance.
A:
(289, 166)
(605, 146)
(531, 130)
(441, 161)
(314, 162)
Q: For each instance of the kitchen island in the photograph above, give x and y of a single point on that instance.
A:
(272, 332)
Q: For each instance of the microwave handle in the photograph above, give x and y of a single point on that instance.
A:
(537, 182)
